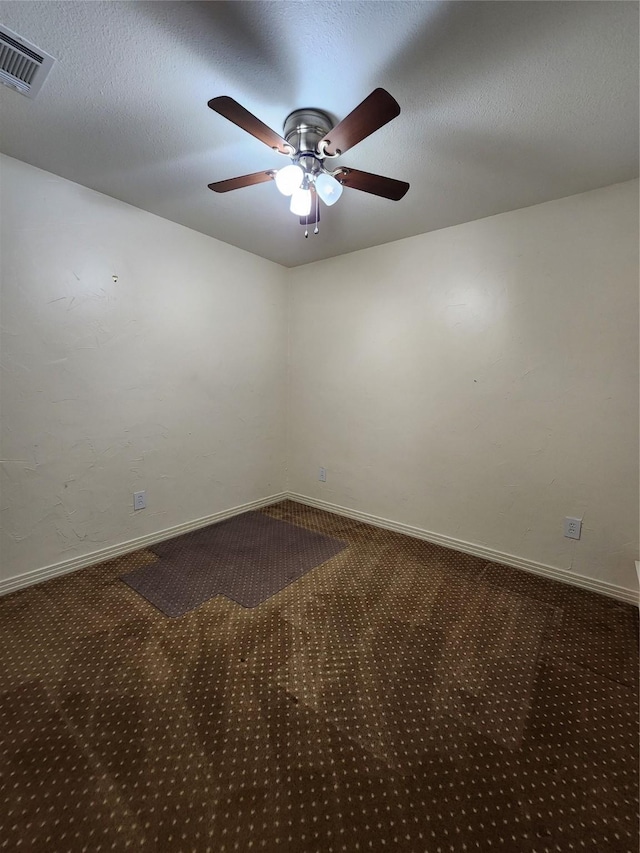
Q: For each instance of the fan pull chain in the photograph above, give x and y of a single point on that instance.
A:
(316, 229)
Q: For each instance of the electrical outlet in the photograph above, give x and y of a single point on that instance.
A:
(322, 475)
(139, 500)
(572, 528)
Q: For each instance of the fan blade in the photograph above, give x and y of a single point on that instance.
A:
(373, 113)
(374, 184)
(242, 181)
(233, 111)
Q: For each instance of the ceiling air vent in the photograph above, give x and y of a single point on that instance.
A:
(23, 66)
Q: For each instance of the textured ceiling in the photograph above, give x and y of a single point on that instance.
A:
(504, 105)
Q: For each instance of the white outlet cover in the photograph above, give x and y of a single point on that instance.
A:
(572, 528)
(139, 500)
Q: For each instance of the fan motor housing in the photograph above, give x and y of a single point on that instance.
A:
(303, 129)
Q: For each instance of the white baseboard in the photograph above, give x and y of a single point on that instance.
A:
(95, 557)
(613, 591)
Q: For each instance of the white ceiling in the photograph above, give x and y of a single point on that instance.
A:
(504, 105)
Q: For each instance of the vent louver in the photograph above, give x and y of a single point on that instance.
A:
(23, 66)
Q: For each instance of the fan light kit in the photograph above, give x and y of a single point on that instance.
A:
(309, 140)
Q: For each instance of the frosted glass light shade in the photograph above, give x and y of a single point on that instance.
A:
(289, 179)
(328, 188)
(301, 202)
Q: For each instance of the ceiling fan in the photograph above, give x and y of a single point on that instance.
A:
(309, 140)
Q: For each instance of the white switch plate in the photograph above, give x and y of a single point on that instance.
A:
(572, 528)
(139, 500)
(322, 475)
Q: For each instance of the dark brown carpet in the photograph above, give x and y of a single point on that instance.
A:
(400, 697)
(248, 558)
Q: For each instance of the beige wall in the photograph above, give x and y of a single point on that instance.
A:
(481, 382)
(171, 379)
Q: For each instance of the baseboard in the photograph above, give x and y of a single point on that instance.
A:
(67, 566)
(95, 557)
(613, 591)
